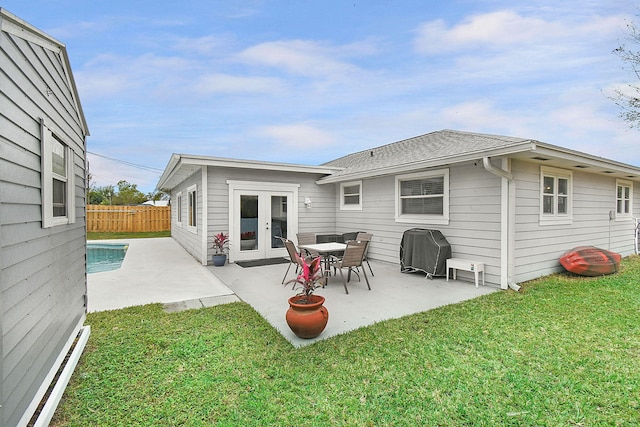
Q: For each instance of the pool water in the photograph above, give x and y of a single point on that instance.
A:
(105, 256)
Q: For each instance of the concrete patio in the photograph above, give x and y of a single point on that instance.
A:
(161, 271)
(393, 294)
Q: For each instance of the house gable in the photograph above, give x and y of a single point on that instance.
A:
(43, 272)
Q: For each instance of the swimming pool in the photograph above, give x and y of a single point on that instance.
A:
(105, 256)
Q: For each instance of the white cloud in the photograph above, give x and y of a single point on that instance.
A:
(207, 45)
(506, 29)
(298, 57)
(299, 136)
(224, 83)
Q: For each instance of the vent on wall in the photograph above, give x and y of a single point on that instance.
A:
(542, 159)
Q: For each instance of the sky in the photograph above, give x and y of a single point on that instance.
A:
(307, 82)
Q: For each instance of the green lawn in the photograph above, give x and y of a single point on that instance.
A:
(565, 351)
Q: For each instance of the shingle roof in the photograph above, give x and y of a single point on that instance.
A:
(434, 146)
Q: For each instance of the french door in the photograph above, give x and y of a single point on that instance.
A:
(259, 217)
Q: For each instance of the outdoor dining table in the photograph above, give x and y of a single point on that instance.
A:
(325, 249)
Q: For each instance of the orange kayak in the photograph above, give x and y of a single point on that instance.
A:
(590, 261)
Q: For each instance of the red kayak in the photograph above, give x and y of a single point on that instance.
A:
(590, 261)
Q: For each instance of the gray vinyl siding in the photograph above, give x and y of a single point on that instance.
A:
(320, 218)
(191, 242)
(539, 247)
(42, 270)
(474, 218)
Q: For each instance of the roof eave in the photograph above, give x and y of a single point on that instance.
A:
(525, 146)
(179, 160)
(169, 171)
(586, 159)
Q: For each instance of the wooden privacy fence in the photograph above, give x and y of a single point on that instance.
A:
(128, 219)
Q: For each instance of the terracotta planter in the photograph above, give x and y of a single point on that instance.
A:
(307, 320)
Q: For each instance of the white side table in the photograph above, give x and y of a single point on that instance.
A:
(467, 265)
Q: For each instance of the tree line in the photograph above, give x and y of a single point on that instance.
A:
(121, 194)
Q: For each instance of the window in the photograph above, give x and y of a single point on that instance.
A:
(179, 208)
(351, 195)
(192, 211)
(58, 204)
(555, 195)
(423, 197)
(624, 191)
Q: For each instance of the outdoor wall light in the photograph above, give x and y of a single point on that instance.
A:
(307, 202)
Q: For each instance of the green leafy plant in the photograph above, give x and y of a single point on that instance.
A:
(220, 242)
(310, 278)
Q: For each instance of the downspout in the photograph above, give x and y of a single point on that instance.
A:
(507, 225)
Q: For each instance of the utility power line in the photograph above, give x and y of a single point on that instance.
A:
(124, 162)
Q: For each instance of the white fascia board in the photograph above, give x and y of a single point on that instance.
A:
(586, 159)
(178, 161)
(426, 164)
(169, 171)
(256, 164)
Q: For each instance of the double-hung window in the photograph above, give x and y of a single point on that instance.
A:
(555, 195)
(58, 196)
(624, 192)
(351, 195)
(192, 211)
(423, 197)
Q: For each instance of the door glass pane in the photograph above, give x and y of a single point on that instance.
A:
(248, 222)
(278, 220)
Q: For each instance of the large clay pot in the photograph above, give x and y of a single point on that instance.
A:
(307, 320)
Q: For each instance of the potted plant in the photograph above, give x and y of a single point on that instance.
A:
(306, 316)
(220, 242)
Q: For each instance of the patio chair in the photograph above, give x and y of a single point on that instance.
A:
(294, 257)
(352, 258)
(362, 237)
(307, 239)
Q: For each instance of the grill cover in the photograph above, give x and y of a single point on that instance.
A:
(424, 250)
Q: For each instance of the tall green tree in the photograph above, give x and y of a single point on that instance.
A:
(101, 195)
(128, 194)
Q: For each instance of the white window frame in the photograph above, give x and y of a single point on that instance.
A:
(179, 209)
(47, 139)
(555, 217)
(192, 209)
(350, 206)
(629, 185)
(425, 218)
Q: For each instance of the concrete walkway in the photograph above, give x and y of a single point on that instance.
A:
(156, 271)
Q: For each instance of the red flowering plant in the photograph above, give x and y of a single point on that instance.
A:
(310, 278)
(220, 242)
